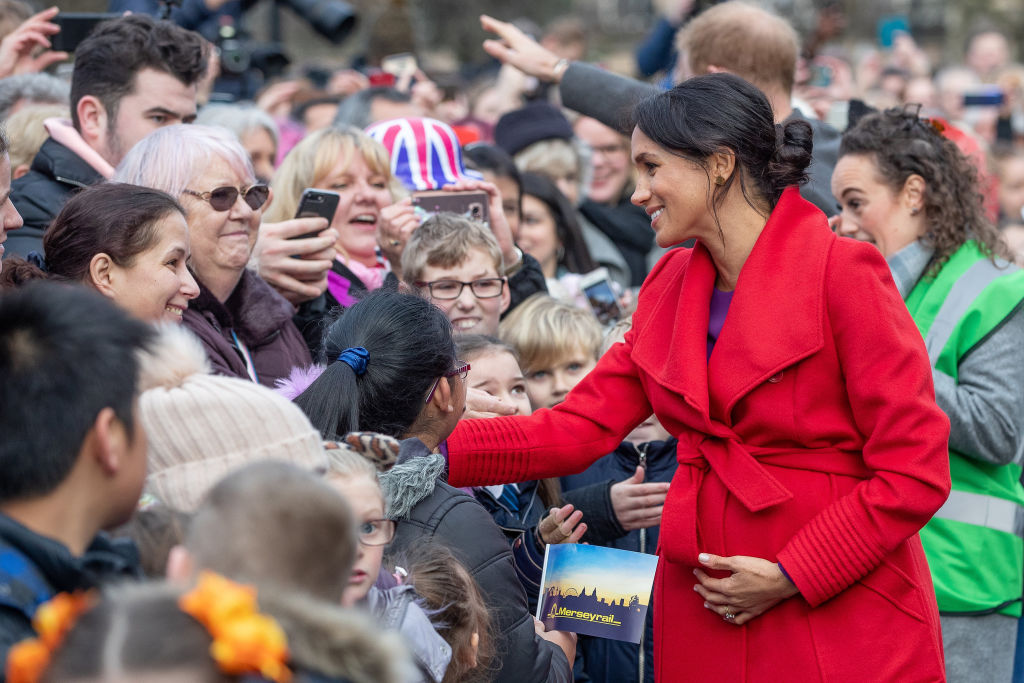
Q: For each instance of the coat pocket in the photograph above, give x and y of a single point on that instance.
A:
(893, 584)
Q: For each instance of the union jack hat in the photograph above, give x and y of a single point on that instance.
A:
(425, 153)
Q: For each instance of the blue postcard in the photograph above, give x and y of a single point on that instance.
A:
(602, 592)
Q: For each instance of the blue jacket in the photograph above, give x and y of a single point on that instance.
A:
(614, 660)
(34, 568)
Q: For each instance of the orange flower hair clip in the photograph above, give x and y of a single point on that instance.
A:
(28, 660)
(244, 641)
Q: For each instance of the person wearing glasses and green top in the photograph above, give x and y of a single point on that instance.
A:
(244, 324)
(391, 368)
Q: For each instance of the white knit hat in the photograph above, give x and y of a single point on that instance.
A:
(201, 427)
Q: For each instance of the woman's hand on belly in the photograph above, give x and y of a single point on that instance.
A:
(754, 586)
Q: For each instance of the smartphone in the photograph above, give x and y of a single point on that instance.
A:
(821, 76)
(317, 203)
(471, 204)
(597, 287)
(985, 96)
(402, 66)
(75, 27)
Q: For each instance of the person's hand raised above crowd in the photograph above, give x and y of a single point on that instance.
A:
(521, 51)
(295, 266)
(18, 50)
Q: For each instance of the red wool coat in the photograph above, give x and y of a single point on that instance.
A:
(810, 438)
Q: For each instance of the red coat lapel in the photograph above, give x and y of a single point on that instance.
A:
(776, 317)
(671, 340)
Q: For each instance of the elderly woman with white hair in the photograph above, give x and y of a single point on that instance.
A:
(244, 324)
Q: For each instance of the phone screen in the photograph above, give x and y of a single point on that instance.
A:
(603, 302)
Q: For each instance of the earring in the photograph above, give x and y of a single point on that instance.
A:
(914, 210)
(719, 180)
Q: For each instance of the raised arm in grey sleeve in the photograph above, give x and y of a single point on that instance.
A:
(602, 95)
(986, 406)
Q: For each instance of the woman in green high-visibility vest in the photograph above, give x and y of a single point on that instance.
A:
(903, 184)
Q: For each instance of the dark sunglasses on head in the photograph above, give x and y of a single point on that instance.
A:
(223, 198)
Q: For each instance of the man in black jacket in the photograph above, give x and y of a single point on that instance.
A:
(73, 457)
(132, 75)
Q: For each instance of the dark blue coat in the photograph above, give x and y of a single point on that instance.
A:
(614, 660)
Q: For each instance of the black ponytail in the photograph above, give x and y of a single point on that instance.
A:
(409, 345)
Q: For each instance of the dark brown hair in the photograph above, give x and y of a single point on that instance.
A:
(902, 144)
(109, 59)
(720, 112)
(456, 607)
(116, 219)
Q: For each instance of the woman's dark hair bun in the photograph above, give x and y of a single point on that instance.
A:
(794, 142)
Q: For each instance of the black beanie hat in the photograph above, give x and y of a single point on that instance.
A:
(517, 130)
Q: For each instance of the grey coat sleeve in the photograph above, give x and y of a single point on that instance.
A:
(602, 95)
(986, 406)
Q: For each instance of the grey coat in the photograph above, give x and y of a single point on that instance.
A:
(426, 507)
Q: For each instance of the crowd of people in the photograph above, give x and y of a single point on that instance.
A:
(758, 314)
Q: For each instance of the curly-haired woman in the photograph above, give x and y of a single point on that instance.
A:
(905, 187)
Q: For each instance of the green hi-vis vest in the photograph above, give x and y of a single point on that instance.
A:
(975, 554)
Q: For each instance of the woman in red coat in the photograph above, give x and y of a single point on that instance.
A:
(810, 447)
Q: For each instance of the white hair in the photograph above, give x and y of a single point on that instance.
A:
(170, 158)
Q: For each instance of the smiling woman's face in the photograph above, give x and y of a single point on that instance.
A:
(221, 241)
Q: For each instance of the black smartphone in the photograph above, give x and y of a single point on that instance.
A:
(317, 203)
(75, 27)
(597, 287)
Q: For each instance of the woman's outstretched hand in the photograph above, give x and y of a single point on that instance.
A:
(754, 586)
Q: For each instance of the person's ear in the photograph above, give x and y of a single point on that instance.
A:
(180, 565)
(912, 194)
(110, 438)
(721, 164)
(506, 297)
(442, 397)
(101, 274)
(93, 121)
(20, 170)
(715, 69)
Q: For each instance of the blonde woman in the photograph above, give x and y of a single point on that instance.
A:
(346, 161)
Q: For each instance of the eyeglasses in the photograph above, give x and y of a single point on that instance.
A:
(461, 369)
(486, 288)
(223, 198)
(376, 532)
(609, 150)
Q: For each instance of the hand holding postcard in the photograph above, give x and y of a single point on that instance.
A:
(602, 592)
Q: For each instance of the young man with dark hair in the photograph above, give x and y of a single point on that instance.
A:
(132, 75)
(72, 454)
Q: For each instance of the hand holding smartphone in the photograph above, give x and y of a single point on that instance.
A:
(317, 204)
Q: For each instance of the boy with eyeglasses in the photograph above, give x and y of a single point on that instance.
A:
(456, 263)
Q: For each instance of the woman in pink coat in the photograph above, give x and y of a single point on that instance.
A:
(810, 447)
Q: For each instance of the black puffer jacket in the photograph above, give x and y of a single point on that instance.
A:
(56, 174)
(426, 507)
